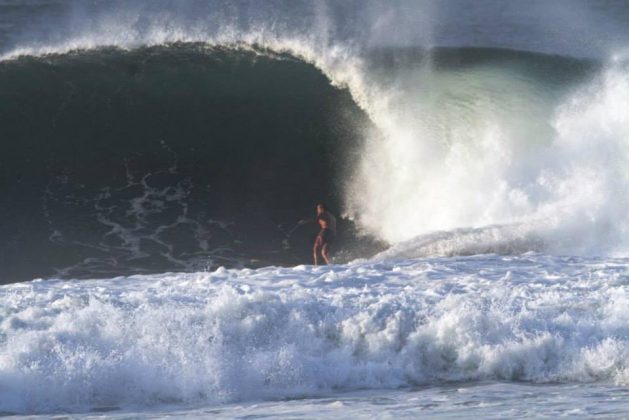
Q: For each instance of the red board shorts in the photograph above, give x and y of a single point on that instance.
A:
(325, 237)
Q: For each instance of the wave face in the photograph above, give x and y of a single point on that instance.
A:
(274, 333)
(166, 158)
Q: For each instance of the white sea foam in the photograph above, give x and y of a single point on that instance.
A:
(544, 166)
(238, 335)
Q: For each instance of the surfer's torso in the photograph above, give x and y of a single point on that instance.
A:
(327, 222)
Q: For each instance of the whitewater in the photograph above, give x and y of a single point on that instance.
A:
(157, 157)
(237, 337)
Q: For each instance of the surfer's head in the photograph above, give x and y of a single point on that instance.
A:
(321, 208)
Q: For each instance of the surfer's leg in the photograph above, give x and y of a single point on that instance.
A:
(324, 253)
(316, 248)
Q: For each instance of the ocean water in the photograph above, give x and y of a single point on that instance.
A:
(157, 157)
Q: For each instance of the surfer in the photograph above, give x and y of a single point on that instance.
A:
(326, 235)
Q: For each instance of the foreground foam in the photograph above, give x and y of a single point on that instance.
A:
(237, 335)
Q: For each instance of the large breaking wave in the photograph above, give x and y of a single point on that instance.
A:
(189, 156)
(146, 140)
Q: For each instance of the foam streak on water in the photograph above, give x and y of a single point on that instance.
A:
(246, 335)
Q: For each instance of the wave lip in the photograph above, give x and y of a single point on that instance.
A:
(238, 335)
